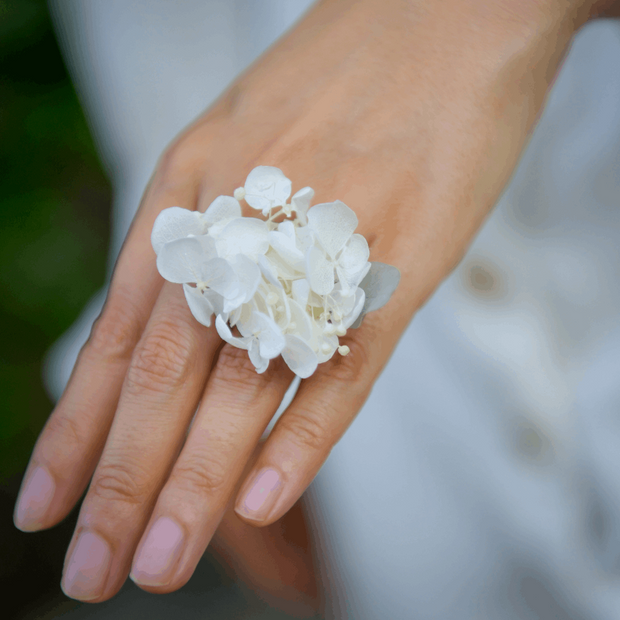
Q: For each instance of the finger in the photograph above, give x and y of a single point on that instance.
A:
(236, 408)
(160, 393)
(321, 412)
(69, 446)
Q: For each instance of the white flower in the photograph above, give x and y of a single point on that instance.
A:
(338, 251)
(291, 287)
(260, 336)
(300, 202)
(243, 235)
(265, 188)
(176, 223)
(284, 242)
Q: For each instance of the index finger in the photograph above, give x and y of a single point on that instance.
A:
(71, 442)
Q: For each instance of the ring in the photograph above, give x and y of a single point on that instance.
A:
(290, 287)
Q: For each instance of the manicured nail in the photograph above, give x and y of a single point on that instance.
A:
(87, 569)
(34, 500)
(262, 495)
(156, 560)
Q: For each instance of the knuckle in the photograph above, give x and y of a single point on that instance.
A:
(119, 482)
(354, 372)
(172, 160)
(116, 332)
(308, 431)
(200, 476)
(65, 430)
(161, 362)
(234, 372)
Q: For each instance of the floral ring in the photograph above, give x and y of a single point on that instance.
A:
(290, 288)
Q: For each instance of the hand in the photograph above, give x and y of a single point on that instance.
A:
(412, 113)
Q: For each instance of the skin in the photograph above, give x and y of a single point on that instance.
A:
(412, 113)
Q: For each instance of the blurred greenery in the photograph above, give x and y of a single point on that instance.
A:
(54, 219)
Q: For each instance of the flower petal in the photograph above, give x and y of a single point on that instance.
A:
(319, 271)
(301, 290)
(199, 304)
(333, 223)
(355, 254)
(260, 363)
(269, 271)
(222, 208)
(269, 335)
(285, 247)
(180, 260)
(218, 275)
(301, 202)
(301, 320)
(379, 284)
(283, 269)
(299, 356)
(243, 235)
(225, 334)
(351, 317)
(266, 187)
(248, 274)
(175, 223)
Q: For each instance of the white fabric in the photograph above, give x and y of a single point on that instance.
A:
(482, 478)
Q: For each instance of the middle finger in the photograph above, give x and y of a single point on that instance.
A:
(235, 410)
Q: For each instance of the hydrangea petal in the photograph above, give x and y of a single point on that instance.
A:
(351, 317)
(260, 363)
(299, 356)
(225, 334)
(303, 325)
(175, 223)
(304, 238)
(282, 268)
(379, 284)
(269, 335)
(266, 187)
(208, 246)
(180, 260)
(269, 271)
(319, 271)
(287, 228)
(218, 275)
(244, 235)
(301, 202)
(199, 305)
(333, 223)
(301, 290)
(285, 247)
(221, 209)
(355, 254)
(248, 274)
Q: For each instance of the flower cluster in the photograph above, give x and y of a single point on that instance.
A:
(287, 288)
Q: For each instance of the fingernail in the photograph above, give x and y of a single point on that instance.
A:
(261, 497)
(34, 500)
(87, 569)
(157, 558)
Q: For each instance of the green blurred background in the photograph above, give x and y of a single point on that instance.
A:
(54, 229)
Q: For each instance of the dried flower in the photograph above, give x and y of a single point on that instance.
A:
(289, 288)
